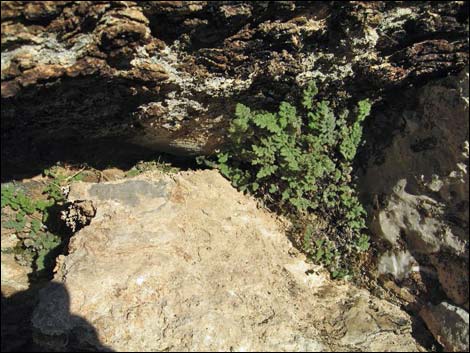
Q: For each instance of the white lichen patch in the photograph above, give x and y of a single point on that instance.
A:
(48, 51)
(311, 71)
(216, 85)
(180, 104)
(396, 18)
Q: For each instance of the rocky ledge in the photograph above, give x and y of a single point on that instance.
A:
(167, 74)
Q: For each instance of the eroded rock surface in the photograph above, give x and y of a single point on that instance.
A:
(419, 194)
(167, 75)
(185, 262)
(449, 324)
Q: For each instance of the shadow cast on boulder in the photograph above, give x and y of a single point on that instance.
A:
(26, 327)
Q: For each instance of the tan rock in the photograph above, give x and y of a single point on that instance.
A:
(14, 276)
(185, 262)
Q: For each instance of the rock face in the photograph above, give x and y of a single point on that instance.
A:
(419, 194)
(166, 75)
(449, 324)
(188, 263)
(14, 276)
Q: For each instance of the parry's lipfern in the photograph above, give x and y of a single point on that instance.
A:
(299, 164)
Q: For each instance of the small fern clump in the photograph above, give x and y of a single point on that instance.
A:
(300, 163)
(32, 219)
(27, 218)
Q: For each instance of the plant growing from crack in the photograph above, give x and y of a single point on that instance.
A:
(299, 161)
(29, 216)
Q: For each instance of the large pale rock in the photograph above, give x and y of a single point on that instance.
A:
(420, 192)
(188, 263)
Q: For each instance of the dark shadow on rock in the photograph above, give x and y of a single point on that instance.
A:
(77, 120)
(18, 164)
(422, 335)
(39, 320)
(16, 321)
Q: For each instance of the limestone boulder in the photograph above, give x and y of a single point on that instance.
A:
(185, 262)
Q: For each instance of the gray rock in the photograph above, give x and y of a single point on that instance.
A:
(420, 193)
(416, 219)
(449, 325)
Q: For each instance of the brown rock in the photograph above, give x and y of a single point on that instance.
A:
(40, 73)
(42, 10)
(10, 89)
(453, 277)
(148, 72)
(198, 59)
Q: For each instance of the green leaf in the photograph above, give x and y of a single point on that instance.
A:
(10, 224)
(14, 205)
(288, 116)
(225, 170)
(78, 177)
(20, 216)
(267, 121)
(223, 158)
(41, 205)
(364, 108)
(309, 94)
(266, 171)
(273, 188)
(35, 225)
(45, 217)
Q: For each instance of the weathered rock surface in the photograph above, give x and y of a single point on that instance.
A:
(166, 75)
(419, 192)
(185, 262)
(14, 275)
(449, 324)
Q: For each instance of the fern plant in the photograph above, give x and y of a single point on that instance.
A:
(27, 219)
(30, 218)
(298, 160)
